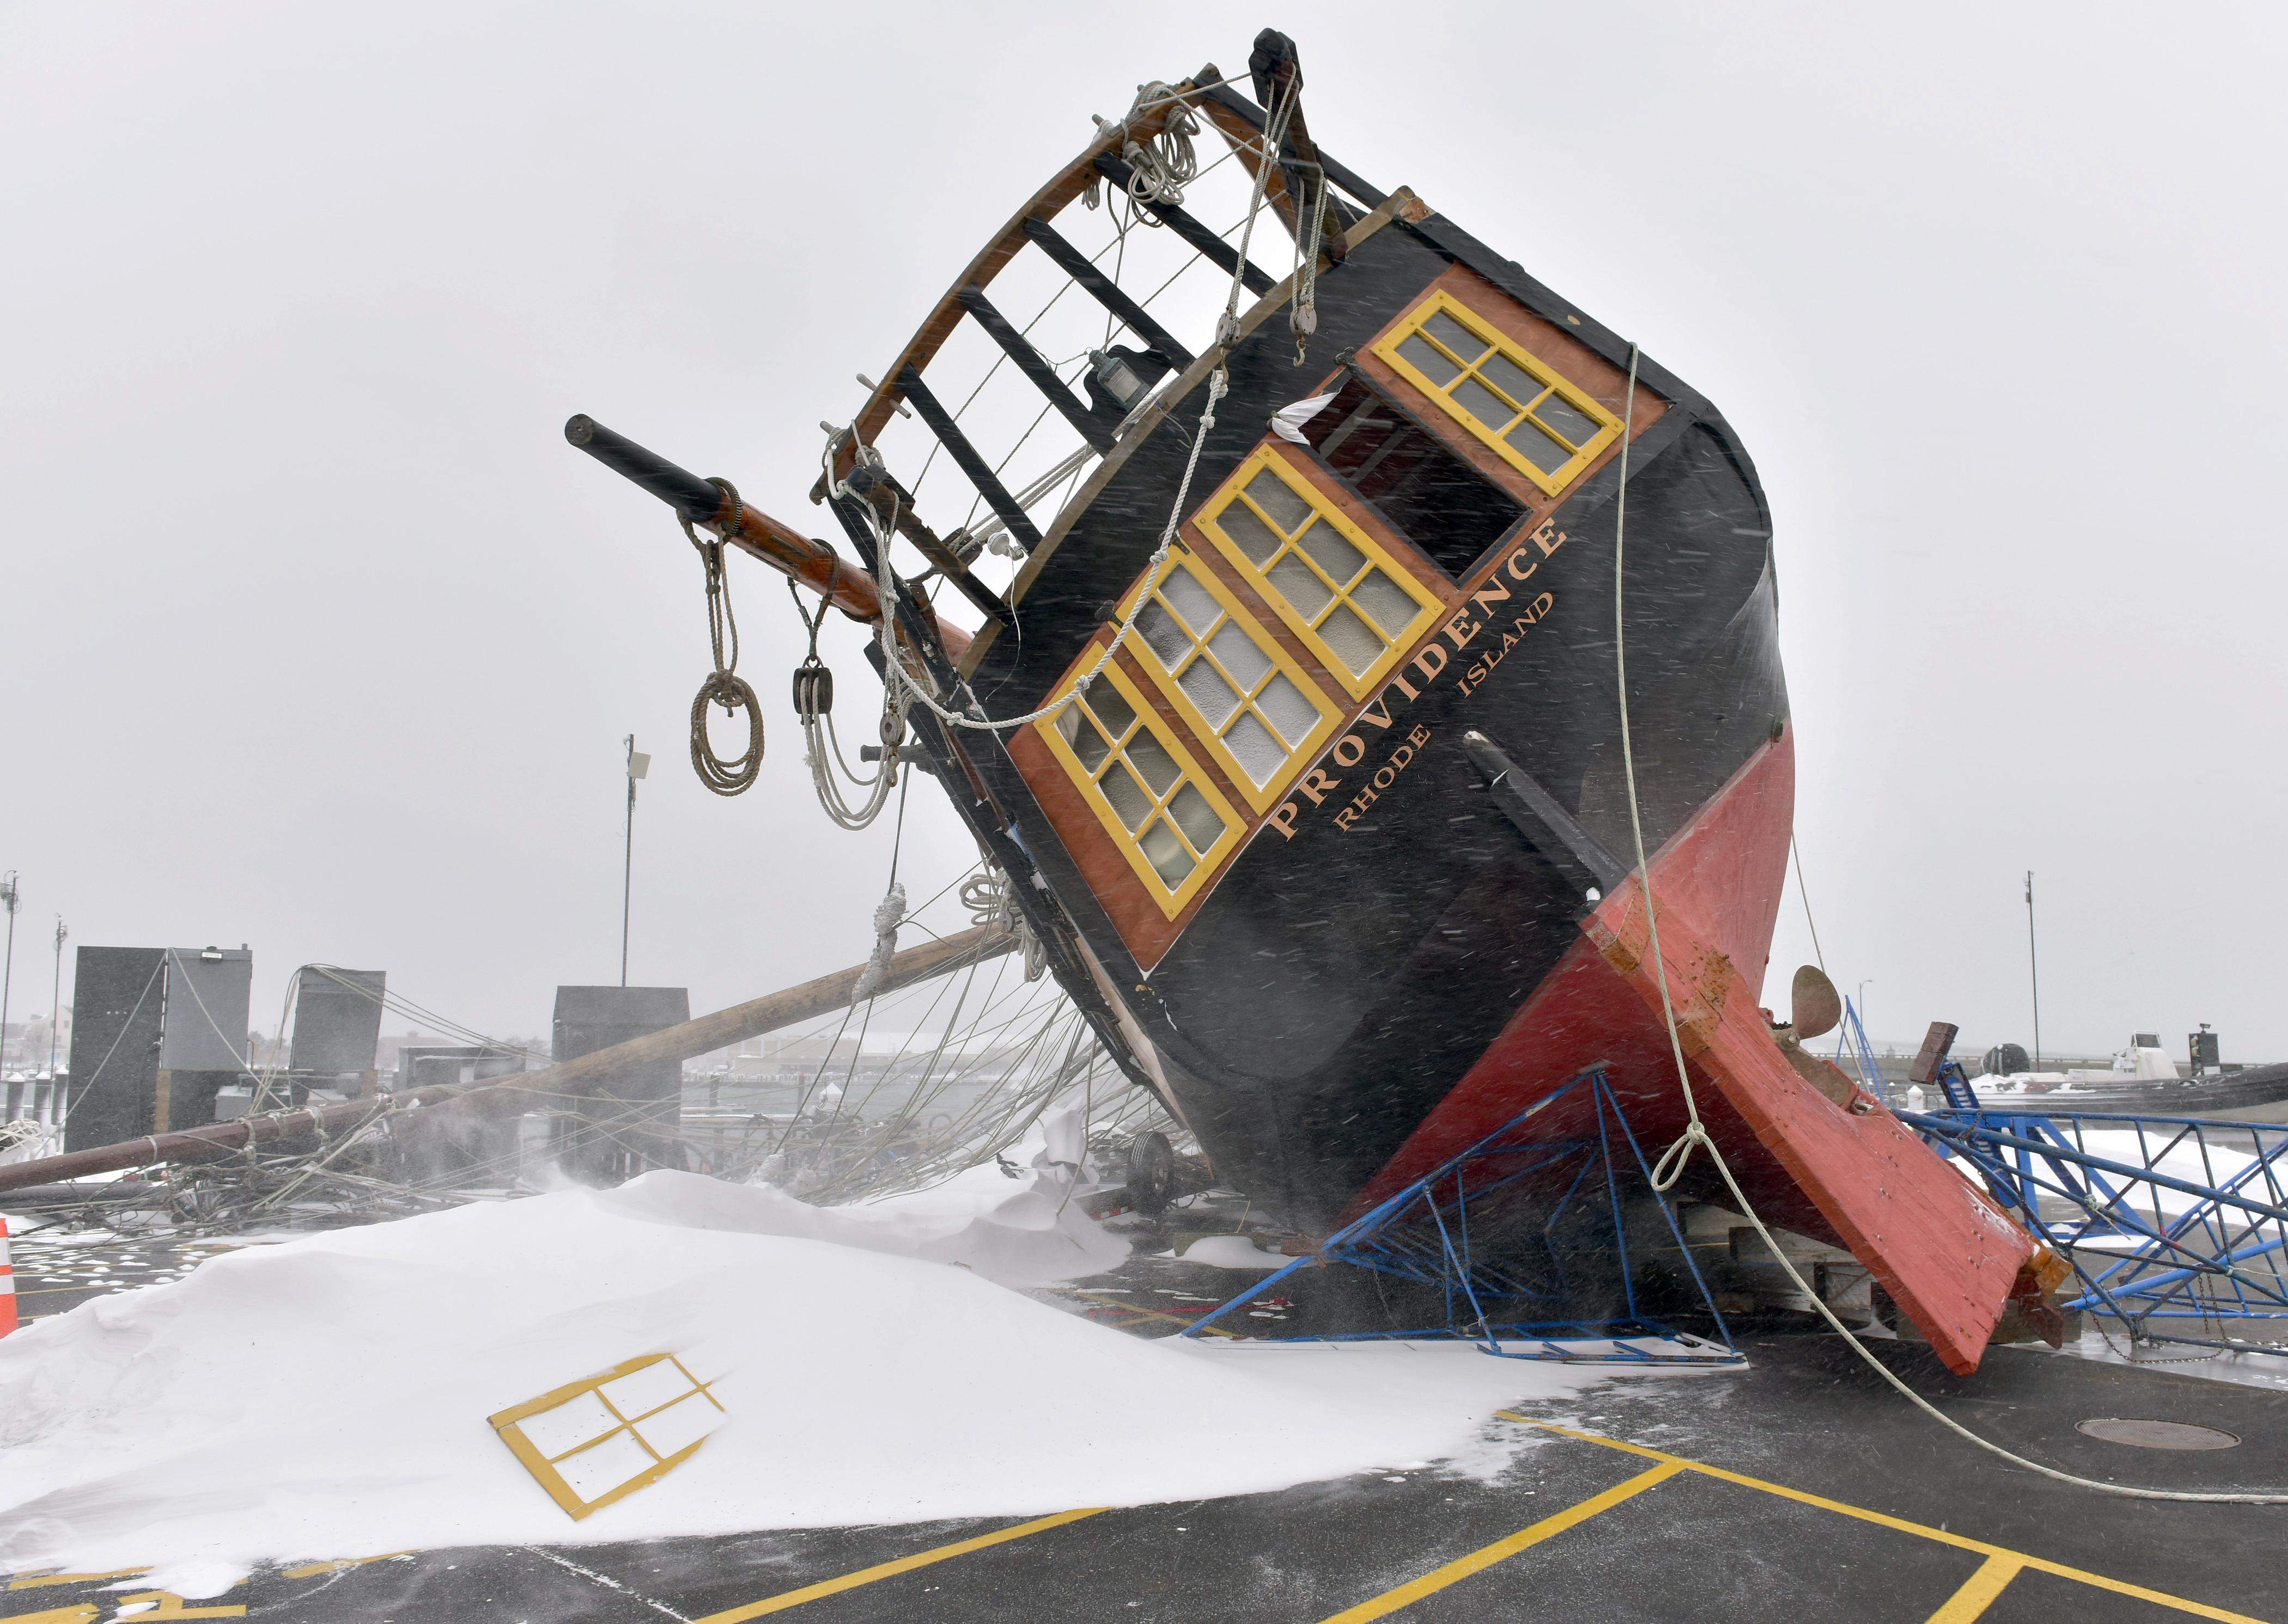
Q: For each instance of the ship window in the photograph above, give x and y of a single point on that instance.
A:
(1251, 704)
(1537, 422)
(1440, 504)
(1145, 788)
(1352, 603)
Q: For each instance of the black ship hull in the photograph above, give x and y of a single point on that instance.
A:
(1360, 954)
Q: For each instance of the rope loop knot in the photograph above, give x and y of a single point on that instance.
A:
(723, 686)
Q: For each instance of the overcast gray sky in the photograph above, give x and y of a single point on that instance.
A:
(316, 635)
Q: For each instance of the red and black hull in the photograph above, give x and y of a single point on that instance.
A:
(1359, 963)
(1344, 954)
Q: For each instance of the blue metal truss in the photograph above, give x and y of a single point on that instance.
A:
(1851, 1040)
(1423, 1235)
(2202, 1239)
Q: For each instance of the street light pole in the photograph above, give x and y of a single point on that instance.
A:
(639, 764)
(55, 1010)
(2034, 969)
(8, 973)
(1862, 1010)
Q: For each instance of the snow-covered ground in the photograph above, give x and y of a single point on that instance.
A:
(327, 1396)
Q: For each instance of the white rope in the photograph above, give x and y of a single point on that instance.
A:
(889, 913)
(1804, 894)
(1672, 1163)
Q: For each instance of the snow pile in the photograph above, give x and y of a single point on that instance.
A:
(1231, 1252)
(326, 1397)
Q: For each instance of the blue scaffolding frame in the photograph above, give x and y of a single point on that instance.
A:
(2204, 1238)
(1851, 1041)
(1423, 1235)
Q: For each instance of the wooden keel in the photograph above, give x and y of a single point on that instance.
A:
(1847, 1172)
(1946, 1252)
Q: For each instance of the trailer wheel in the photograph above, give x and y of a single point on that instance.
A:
(1151, 1172)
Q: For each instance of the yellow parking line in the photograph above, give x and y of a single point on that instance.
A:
(1978, 1591)
(43, 1290)
(889, 1570)
(1924, 1530)
(1500, 1550)
(1143, 1314)
(73, 1579)
(167, 1604)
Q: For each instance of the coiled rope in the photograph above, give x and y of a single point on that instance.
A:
(821, 749)
(723, 686)
(1670, 1166)
(1161, 168)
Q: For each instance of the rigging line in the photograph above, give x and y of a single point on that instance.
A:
(1042, 315)
(1804, 894)
(969, 521)
(930, 1084)
(889, 1071)
(1674, 1158)
(898, 829)
(1121, 222)
(1039, 316)
(810, 1085)
(894, 676)
(916, 1086)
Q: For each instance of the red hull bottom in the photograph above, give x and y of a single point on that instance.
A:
(1852, 1176)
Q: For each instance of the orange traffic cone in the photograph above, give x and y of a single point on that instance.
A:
(7, 1283)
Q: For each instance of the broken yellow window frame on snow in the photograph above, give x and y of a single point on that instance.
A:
(1544, 425)
(1206, 653)
(1334, 585)
(642, 1419)
(1159, 827)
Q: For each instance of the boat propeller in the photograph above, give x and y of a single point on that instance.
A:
(1813, 1005)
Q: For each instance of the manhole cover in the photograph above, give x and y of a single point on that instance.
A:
(2156, 1434)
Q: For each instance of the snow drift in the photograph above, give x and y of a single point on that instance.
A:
(326, 1397)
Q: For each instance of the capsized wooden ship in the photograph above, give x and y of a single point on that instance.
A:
(1336, 851)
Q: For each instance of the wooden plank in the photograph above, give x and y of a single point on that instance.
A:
(1107, 292)
(1208, 245)
(966, 457)
(1037, 370)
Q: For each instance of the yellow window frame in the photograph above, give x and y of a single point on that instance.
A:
(1440, 302)
(509, 1424)
(1235, 491)
(1331, 717)
(1172, 901)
